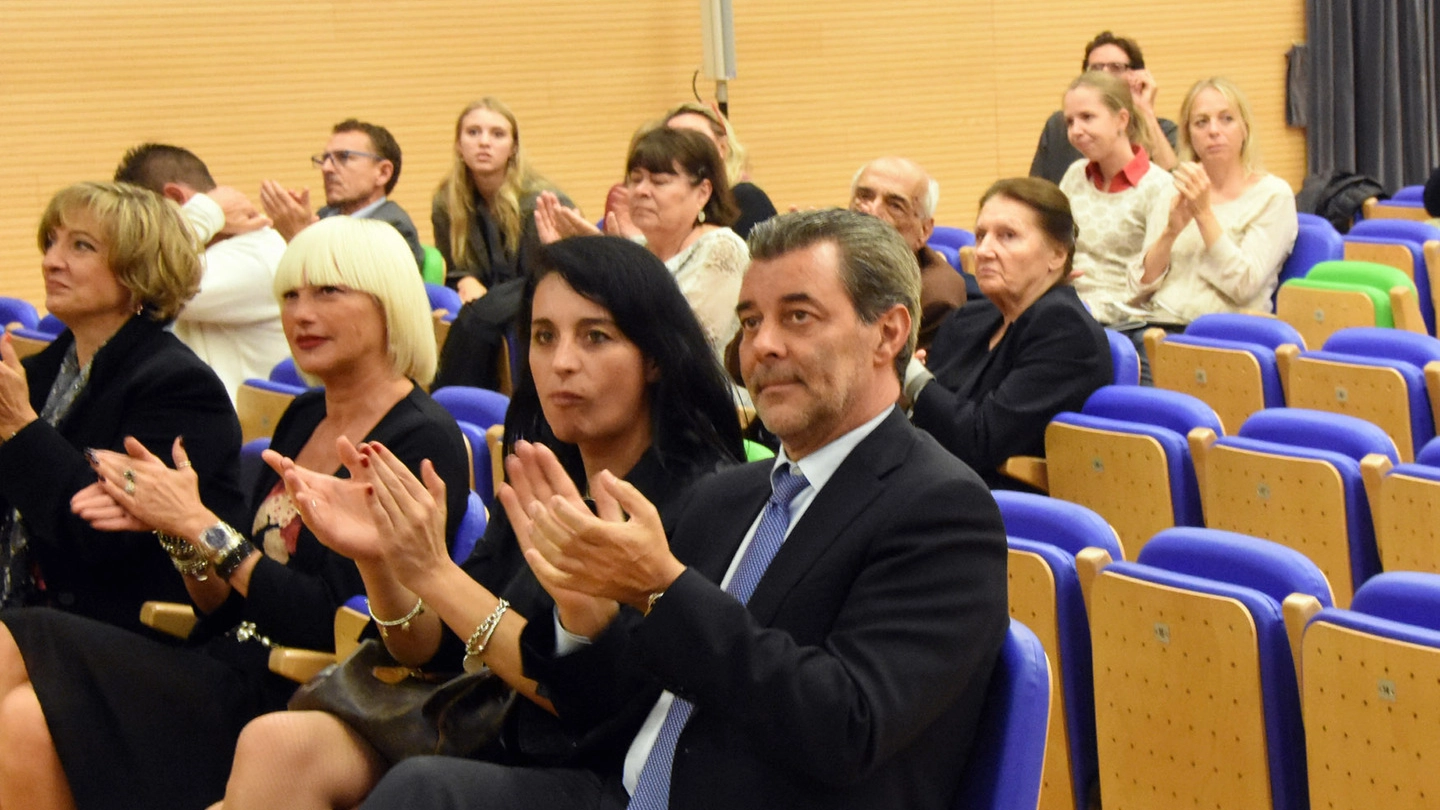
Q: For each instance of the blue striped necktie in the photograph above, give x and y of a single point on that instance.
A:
(652, 789)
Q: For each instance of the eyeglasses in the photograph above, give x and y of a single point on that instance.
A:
(1110, 67)
(342, 157)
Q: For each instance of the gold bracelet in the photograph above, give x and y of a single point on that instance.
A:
(403, 622)
(187, 559)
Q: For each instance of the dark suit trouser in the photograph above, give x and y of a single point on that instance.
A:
(450, 783)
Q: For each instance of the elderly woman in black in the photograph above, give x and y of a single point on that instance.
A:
(1000, 370)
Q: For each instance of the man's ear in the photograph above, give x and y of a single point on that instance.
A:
(179, 192)
(386, 169)
(894, 326)
(927, 229)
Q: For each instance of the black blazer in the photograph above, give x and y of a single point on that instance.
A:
(989, 404)
(854, 676)
(144, 383)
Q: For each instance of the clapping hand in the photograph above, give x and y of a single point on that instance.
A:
(554, 221)
(289, 210)
(621, 555)
(153, 494)
(1193, 183)
(15, 409)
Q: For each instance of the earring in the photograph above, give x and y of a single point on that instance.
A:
(700, 217)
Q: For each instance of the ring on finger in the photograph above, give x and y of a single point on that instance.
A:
(184, 465)
(129, 476)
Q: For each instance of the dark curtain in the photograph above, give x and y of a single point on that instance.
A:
(1373, 83)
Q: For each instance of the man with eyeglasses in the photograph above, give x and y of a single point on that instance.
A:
(902, 194)
(1122, 58)
(360, 166)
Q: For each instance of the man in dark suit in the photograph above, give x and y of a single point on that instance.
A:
(360, 166)
(827, 644)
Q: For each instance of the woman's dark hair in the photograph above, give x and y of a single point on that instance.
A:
(692, 410)
(1051, 207)
(662, 149)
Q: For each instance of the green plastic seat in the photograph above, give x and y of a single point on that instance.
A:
(1380, 276)
(1384, 316)
(755, 451)
(1344, 293)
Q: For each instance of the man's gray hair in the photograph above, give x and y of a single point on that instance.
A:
(877, 268)
(925, 205)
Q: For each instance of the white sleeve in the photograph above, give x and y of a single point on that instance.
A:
(1240, 270)
(205, 217)
(237, 287)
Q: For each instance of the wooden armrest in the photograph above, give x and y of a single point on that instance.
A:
(301, 665)
(1088, 565)
(171, 618)
(1028, 470)
(349, 624)
(1298, 609)
(298, 665)
(1406, 309)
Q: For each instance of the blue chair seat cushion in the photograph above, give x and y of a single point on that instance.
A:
(1240, 559)
(1068, 526)
(1171, 410)
(1378, 626)
(1409, 597)
(1270, 332)
(1350, 436)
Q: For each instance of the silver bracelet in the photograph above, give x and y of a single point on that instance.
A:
(480, 639)
(403, 622)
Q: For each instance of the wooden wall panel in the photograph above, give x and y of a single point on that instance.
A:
(823, 87)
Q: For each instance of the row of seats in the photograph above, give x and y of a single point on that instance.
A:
(1179, 675)
(1329, 485)
(1241, 364)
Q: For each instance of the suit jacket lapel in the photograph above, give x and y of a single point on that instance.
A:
(728, 517)
(855, 486)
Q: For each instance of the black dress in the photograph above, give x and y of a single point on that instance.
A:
(142, 724)
(989, 404)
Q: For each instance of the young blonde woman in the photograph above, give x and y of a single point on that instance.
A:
(1112, 190)
(484, 219)
(1226, 226)
(484, 209)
